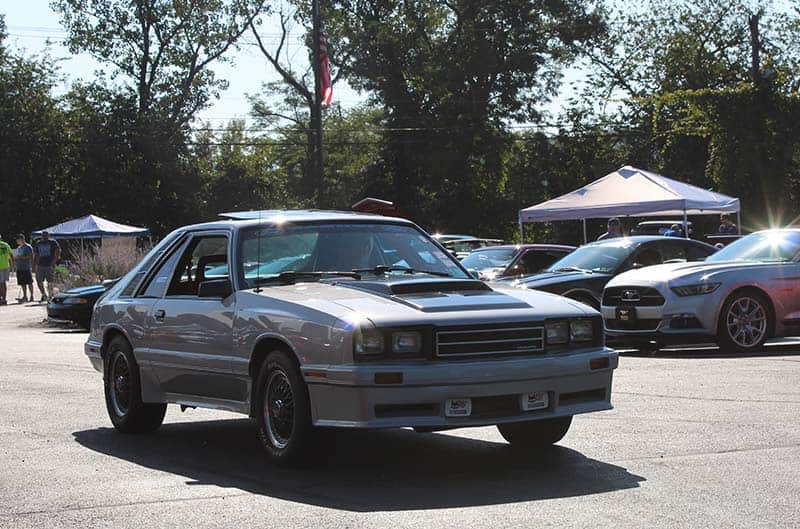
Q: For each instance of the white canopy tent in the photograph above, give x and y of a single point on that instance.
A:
(627, 192)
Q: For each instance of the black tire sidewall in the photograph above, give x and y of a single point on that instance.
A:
(300, 440)
(724, 340)
(539, 433)
(139, 417)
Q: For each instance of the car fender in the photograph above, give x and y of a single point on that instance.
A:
(730, 289)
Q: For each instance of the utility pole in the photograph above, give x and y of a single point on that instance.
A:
(316, 114)
(755, 49)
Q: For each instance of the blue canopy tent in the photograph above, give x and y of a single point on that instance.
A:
(91, 227)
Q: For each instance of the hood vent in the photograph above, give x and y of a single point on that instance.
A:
(412, 287)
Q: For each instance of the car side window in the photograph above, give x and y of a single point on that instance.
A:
(534, 261)
(674, 252)
(206, 257)
(647, 255)
(697, 252)
(158, 282)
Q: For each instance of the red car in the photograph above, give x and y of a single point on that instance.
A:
(494, 262)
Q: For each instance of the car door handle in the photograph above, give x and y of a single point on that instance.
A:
(159, 315)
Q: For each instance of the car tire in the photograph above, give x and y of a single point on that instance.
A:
(283, 414)
(745, 322)
(541, 433)
(123, 391)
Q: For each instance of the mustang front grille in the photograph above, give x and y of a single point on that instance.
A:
(641, 296)
(515, 339)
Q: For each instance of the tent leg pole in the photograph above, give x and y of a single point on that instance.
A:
(585, 240)
(685, 224)
(521, 232)
(739, 222)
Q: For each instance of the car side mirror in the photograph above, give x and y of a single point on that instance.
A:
(474, 273)
(108, 283)
(215, 288)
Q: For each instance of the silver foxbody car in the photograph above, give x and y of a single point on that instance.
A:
(738, 297)
(323, 319)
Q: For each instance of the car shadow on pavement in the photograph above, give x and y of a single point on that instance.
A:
(712, 351)
(367, 471)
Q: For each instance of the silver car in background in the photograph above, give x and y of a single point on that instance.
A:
(738, 297)
(323, 319)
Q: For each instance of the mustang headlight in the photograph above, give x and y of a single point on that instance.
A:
(581, 330)
(557, 332)
(696, 290)
(75, 301)
(404, 342)
(368, 342)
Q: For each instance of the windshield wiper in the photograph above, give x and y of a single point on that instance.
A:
(384, 269)
(574, 269)
(290, 277)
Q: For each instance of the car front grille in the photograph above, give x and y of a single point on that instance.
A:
(635, 325)
(509, 339)
(639, 296)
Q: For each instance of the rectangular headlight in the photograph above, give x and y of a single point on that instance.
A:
(581, 330)
(75, 301)
(368, 342)
(406, 342)
(557, 332)
(696, 290)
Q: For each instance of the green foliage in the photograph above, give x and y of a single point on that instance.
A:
(32, 141)
(160, 49)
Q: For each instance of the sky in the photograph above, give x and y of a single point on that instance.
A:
(32, 27)
(31, 24)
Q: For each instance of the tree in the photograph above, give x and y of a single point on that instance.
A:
(162, 50)
(160, 54)
(450, 77)
(31, 141)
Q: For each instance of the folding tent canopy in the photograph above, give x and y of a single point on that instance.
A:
(630, 192)
(92, 227)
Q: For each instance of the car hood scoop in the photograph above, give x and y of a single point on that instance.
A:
(439, 295)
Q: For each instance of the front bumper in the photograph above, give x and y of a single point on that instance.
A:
(680, 320)
(74, 313)
(93, 350)
(348, 396)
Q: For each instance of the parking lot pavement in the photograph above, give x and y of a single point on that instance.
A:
(697, 439)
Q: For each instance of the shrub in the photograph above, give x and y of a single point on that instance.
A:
(94, 265)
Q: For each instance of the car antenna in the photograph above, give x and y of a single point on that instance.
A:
(258, 288)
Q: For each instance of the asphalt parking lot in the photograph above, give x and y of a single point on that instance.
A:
(697, 439)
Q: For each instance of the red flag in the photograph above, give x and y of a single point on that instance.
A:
(325, 83)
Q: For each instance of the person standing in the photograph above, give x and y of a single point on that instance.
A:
(613, 229)
(45, 256)
(6, 262)
(23, 259)
(726, 225)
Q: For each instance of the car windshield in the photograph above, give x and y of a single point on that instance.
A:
(313, 248)
(765, 247)
(602, 258)
(485, 260)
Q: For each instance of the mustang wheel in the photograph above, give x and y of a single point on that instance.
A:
(744, 322)
(284, 412)
(124, 392)
(543, 432)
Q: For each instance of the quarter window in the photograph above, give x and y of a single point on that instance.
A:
(158, 283)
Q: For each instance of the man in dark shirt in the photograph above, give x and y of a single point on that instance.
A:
(726, 225)
(23, 258)
(614, 228)
(45, 256)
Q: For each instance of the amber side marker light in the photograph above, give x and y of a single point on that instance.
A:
(599, 363)
(388, 378)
